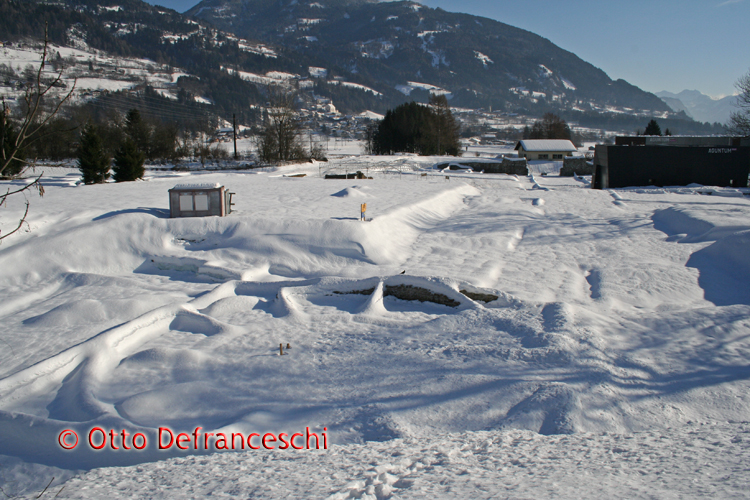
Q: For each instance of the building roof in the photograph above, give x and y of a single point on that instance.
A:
(189, 187)
(546, 145)
(371, 115)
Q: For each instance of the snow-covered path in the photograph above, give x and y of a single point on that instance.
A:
(556, 325)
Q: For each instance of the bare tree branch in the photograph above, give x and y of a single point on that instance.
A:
(32, 185)
(30, 127)
(45, 488)
(33, 97)
(20, 223)
(739, 122)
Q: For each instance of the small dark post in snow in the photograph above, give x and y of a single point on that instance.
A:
(288, 346)
(2, 129)
(234, 134)
(281, 349)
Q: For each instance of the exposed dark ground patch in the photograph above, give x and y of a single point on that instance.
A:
(408, 292)
(479, 297)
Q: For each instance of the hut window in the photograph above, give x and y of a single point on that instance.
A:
(201, 202)
(186, 202)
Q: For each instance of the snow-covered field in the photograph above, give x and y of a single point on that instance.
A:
(331, 146)
(568, 343)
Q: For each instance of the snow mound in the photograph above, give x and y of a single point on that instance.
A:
(354, 192)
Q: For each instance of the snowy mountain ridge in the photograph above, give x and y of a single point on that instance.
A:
(379, 49)
(387, 44)
(700, 106)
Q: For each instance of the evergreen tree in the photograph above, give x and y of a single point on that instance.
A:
(447, 140)
(652, 128)
(93, 161)
(137, 130)
(128, 162)
(667, 133)
(57, 139)
(9, 151)
(416, 128)
(164, 141)
(402, 129)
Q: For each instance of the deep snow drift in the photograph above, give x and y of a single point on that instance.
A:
(565, 342)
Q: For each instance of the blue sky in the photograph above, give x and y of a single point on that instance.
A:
(657, 45)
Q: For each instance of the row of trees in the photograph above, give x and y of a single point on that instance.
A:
(416, 128)
(165, 130)
(653, 128)
(413, 127)
(93, 158)
(550, 126)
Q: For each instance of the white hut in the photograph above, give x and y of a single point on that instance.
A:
(199, 200)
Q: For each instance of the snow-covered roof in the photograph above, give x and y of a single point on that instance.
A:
(371, 115)
(545, 145)
(198, 186)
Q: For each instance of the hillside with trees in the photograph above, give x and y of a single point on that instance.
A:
(360, 55)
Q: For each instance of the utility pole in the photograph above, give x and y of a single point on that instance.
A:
(2, 133)
(438, 134)
(234, 134)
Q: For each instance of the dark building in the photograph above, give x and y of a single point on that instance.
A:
(672, 161)
(678, 140)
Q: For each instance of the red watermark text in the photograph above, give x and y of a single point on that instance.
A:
(167, 439)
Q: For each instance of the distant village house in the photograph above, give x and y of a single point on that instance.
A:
(545, 149)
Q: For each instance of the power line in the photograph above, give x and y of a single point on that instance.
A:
(159, 109)
(155, 102)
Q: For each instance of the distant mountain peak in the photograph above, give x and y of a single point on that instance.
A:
(700, 106)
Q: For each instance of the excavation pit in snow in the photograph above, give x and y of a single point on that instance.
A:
(366, 291)
(411, 292)
(358, 175)
(480, 297)
(408, 292)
